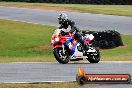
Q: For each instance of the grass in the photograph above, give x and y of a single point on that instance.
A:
(46, 85)
(26, 42)
(43, 58)
(24, 39)
(41, 85)
(121, 10)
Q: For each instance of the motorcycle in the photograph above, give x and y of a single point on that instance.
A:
(66, 48)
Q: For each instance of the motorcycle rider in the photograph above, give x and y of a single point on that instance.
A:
(65, 23)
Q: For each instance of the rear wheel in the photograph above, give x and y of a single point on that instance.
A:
(61, 55)
(94, 57)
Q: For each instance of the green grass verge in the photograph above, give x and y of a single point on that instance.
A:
(46, 85)
(26, 42)
(24, 39)
(21, 41)
(121, 10)
(41, 85)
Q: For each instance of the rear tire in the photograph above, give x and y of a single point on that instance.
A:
(61, 57)
(95, 58)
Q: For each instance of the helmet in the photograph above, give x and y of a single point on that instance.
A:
(62, 17)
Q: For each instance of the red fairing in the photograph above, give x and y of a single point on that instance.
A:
(57, 39)
(63, 39)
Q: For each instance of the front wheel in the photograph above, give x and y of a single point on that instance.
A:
(61, 55)
(94, 57)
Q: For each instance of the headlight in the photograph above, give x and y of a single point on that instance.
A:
(56, 39)
(52, 41)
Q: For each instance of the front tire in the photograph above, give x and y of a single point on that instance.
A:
(94, 57)
(61, 57)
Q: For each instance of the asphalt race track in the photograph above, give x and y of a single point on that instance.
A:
(83, 20)
(55, 72)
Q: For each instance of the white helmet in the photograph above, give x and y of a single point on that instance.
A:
(63, 16)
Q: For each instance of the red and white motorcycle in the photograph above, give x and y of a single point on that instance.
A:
(66, 48)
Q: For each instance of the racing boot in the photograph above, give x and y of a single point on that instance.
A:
(85, 47)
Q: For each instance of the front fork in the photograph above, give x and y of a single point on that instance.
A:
(63, 48)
